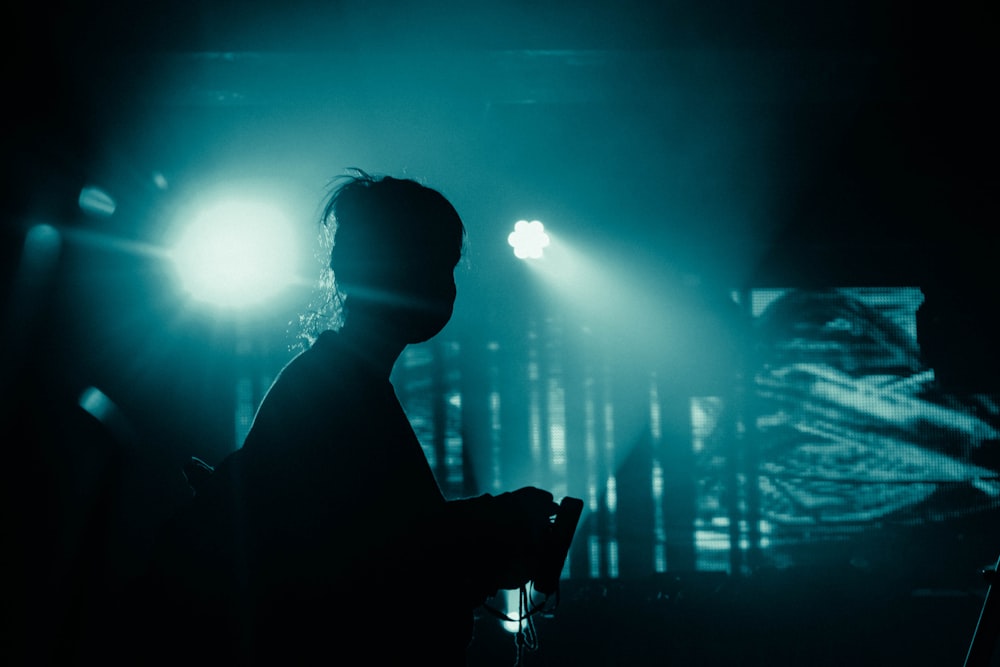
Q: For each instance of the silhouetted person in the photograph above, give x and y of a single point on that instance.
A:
(325, 538)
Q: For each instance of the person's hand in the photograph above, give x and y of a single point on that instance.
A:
(527, 515)
(534, 506)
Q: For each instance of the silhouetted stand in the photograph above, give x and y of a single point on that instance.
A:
(984, 639)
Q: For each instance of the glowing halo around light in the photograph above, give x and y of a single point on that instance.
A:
(528, 239)
(236, 254)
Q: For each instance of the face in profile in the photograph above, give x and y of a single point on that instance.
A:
(425, 301)
(396, 247)
(412, 299)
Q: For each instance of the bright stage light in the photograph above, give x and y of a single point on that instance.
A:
(236, 254)
(528, 239)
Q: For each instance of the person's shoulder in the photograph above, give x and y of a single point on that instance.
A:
(328, 347)
(325, 370)
(317, 359)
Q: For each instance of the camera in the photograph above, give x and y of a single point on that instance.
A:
(556, 546)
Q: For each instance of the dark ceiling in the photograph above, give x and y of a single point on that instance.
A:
(681, 125)
(744, 143)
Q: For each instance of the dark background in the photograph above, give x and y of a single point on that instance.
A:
(707, 144)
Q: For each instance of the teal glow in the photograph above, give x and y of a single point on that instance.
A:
(96, 202)
(594, 550)
(94, 401)
(611, 487)
(513, 610)
(42, 245)
(613, 572)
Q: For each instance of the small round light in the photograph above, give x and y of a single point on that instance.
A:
(528, 239)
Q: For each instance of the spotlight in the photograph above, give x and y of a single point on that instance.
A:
(236, 254)
(528, 239)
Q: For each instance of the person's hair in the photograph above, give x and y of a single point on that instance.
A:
(371, 223)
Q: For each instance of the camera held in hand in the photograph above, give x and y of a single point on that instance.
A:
(555, 546)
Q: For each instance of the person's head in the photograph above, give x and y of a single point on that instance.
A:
(396, 244)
